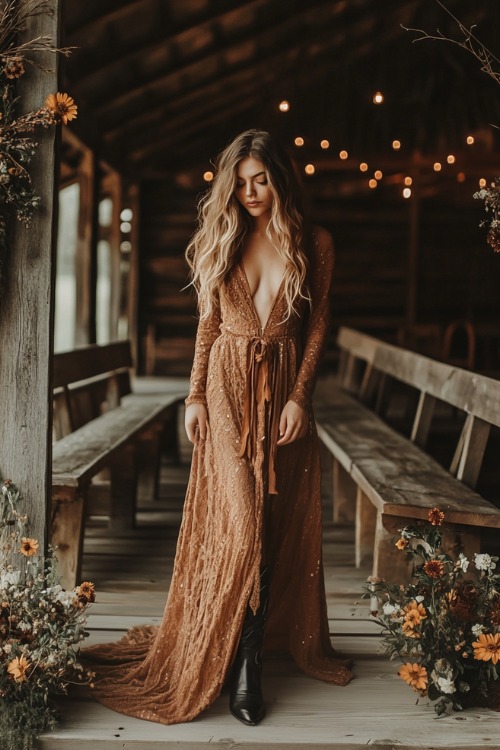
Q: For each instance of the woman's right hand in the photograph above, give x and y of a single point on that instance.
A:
(196, 417)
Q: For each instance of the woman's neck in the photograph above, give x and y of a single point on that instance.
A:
(260, 224)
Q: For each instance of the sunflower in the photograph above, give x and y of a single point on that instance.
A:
(436, 516)
(415, 676)
(487, 647)
(402, 543)
(13, 67)
(18, 668)
(29, 547)
(62, 105)
(434, 568)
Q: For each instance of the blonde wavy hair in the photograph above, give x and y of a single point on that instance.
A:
(223, 223)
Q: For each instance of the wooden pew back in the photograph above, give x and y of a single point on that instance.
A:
(367, 366)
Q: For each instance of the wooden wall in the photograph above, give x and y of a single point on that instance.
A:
(457, 275)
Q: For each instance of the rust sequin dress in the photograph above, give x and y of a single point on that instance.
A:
(243, 494)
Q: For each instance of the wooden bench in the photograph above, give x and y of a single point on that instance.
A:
(100, 424)
(382, 479)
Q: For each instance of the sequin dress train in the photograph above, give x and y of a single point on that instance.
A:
(241, 486)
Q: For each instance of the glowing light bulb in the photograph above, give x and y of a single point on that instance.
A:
(378, 174)
(126, 214)
(324, 143)
(407, 192)
(125, 227)
(372, 183)
(470, 140)
(482, 182)
(378, 97)
(309, 169)
(460, 177)
(363, 166)
(284, 106)
(450, 159)
(437, 166)
(299, 141)
(396, 145)
(208, 176)
(408, 180)
(343, 154)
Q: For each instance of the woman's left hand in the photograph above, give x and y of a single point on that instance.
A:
(294, 422)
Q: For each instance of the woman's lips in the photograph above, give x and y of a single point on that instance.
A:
(252, 204)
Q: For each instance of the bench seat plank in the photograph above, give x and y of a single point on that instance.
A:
(395, 474)
(81, 454)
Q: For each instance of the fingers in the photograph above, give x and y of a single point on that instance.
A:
(196, 424)
(291, 430)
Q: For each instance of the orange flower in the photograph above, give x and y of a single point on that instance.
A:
(18, 668)
(487, 647)
(402, 543)
(409, 631)
(62, 105)
(86, 591)
(415, 676)
(14, 67)
(29, 547)
(434, 568)
(436, 516)
(417, 607)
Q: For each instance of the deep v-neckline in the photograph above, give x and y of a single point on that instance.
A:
(248, 290)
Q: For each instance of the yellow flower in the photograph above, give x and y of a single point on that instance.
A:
(415, 676)
(18, 668)
(487, 647)
(436, 516)
(29, 547)
(418, 607)
(409, 630)
(434, 568)
(402, 543)
(62, 105)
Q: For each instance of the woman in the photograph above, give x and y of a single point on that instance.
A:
(249, 550)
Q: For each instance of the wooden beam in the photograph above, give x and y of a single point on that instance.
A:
(27, 306)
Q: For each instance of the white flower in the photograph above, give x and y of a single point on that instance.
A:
(477, 629)
(446, 685)
(483, 562)
(24, 626)
(389, 608)
(65, 597)
(7, 648)
(419, 598)
(10, 578)
(462, 562)
(416, 542)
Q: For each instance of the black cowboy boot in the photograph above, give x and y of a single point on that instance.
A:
(246, 701)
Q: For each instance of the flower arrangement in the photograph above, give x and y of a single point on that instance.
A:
(491, 198)
(41, 626)
(18, 198)
(445, 624)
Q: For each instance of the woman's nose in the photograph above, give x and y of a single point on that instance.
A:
(250, 190)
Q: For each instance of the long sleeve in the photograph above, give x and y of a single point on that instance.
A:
(321, 275)
(208, 331)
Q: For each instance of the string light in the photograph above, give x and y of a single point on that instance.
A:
(126, 214)
(372, 183)
(284, 106)
(437, 166)
(299, 141)
(363, 166)
(125, 227)
(408, 180)
(343, 154)
(396, 145)
(461, 177)
(450, 159)
(378, 97)
(324, 143)
(208, 176)
(406, 192)
(309, 169)
(482, 182)
(470, 140)
(378, 174)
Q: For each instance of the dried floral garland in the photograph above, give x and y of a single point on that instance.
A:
(18, 197)
(491, 198)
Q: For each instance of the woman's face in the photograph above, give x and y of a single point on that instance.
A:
(252, 189)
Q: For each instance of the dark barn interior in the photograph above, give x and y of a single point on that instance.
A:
(162, 86)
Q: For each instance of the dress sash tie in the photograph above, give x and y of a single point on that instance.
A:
(262, 406)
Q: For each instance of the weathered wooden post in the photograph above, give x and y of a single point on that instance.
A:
(26, 309)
